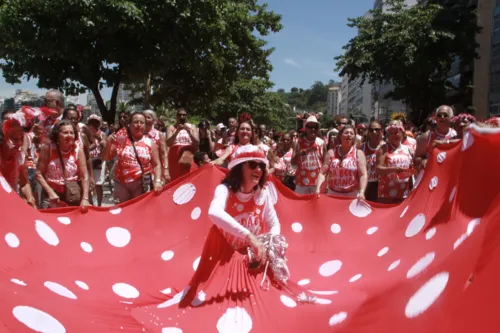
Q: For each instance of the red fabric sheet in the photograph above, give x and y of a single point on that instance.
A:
(431, 264)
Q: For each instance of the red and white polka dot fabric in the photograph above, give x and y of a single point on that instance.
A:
(430, 264)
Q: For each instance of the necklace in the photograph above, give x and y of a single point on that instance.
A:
(67, 151)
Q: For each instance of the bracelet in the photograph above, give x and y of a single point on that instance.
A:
(158, 181)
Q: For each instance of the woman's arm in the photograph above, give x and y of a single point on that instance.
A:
(324, 170)
(362, 174)
(41, 169)
(195, 136)
(381, 168)
(84, 177)
(155, 162)
(270, 216)
(218, 215)
(224, 156)
(25, 186)
(110, 150)
(172, 134)
(163, 151)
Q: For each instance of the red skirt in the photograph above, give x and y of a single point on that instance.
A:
(176, 169)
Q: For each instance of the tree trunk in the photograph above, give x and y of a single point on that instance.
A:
(100, 102)
(114, 100)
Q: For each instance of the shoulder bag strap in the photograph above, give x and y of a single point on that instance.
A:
(62, 163)
(135, 151)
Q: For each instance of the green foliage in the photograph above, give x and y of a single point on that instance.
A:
(193, 50)
(415, 49)
(311, 100)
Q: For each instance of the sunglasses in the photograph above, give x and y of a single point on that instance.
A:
(312, 127)
(373, 130)
(442, 115)
(253, 165)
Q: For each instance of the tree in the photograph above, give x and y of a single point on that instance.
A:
(188, 51)
(414, 48)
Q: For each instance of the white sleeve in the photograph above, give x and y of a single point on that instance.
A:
(270, 216)
(221, 218)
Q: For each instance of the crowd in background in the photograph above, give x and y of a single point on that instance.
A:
(52, 159)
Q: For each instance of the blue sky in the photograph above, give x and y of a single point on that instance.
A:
(313, 34)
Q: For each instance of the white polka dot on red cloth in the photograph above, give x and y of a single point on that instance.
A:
(330, 268)
(433, 183)
(324, 292)
(322, 301)
(196, 263)
(184, 194)
(297, 227)
(115, 211)
(196, 213)
(167, 255)
(452, 194)
(18, 282)
(431, 233)
(199, 299)
(383, 252)
(337, 318)
(166, 291)
(394, 265)
(355, 278)
(372, 230)
(459, 241)
(403, 213)
(335, 228)
(472, 225)
(171, 330)
(174, 300)
(46, 233)
(37, 320)
(416, 225)
(426, 295)
(421, 265)
(64, 220)
(287, 301)
(360, 208)
(86, 247)
(235, 320)
(118, 237)
(304, 282)
(12, 240)
(5, 185)
(125, 290)
(441, 157)
(82, 285)
(59, 289)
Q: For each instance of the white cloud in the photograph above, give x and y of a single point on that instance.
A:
(292, 62)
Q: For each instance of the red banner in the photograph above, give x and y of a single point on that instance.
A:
(431, 264)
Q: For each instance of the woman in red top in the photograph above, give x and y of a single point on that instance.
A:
(137, 159)
(394, 166)
(52, 175)
(374, 139)
(245, 135)
(160, 140)
(345, 166)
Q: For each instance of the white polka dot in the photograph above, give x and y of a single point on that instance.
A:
(452, 194)
(86, 247)
(416, 225)
(324, 292)
(468, 141)
(418, 179)
(82, 285)
(5, 185)
(459, 241)
(12, 240)
(115, 211)
(196, 263)
(433, 183)
(304, 282)
(306, 181)
(125, 290)
(421, 265)
(235, 320)
(167, 255)
(239, 208)
(59, 289)
(383, 252)
(360, 208)
(313, 174)
(297, 227)
(46, 233)
(64, 220)
(19, 282)
(166, 291)
(394, 265)
(287, 301)
(199, 299)
(118, 237)
(337, 318)
(355, 278)
(330, 268)
(184, 194)
(174, 300)
(404, 211)
(393, 192)
(472, 225)
(430, 234)
(322, 301)
(171, 330)
(196, 213)
(426, 295)
(335, 228)
(372, 230)
(37, 320)
(272, 192)
(441, 157)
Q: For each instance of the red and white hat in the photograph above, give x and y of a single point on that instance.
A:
(248, 153)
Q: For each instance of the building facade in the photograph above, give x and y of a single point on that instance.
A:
(333, 100)
(490, 10)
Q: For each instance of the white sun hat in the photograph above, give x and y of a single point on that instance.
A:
(248, 153)
(312, 120)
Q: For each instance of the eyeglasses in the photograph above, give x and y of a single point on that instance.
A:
(442, 115)
(373, 130)
(253, 165)
(312, 127)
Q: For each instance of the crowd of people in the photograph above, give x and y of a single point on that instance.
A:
(52, 159)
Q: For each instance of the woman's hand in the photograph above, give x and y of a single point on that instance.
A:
(32, 202)
(157, 186)
(166, 175)
(112, 138)
(361, 196)
(84, 205)
(257, 247)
